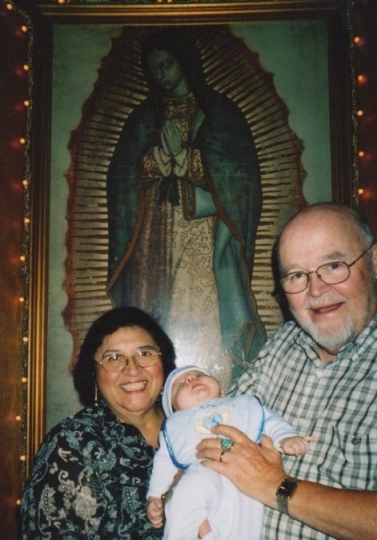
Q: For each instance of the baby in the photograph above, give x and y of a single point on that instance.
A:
(193, 403)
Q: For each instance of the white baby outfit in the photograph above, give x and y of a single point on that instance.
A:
(202, 493)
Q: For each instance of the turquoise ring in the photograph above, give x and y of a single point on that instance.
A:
(226, 445)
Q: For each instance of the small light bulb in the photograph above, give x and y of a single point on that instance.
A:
(361, 153)
(25, 339)
(27, 103)
(361, 79)
(25, 183)
(356, 39)
(22, 140)
(26, 67)
(360, 113)
(21, 299)
(22, 258)
(24, 28)
(27, 221)
(18, 418)
(24, 380)
(360, 191)
(18, 502)
(9, 6)
(23, 458)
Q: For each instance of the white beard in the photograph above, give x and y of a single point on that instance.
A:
(330, 338)
(333, 340)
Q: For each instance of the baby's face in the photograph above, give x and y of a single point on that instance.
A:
(192, 388)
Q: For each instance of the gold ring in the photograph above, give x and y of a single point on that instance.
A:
(221, 455)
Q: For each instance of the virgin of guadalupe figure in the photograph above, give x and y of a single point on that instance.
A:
(184, 201)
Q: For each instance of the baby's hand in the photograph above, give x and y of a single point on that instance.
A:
(155, 511)
(294, 446)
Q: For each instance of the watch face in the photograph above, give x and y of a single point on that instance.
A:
(287, 487)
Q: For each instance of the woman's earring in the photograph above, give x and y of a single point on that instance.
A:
(95, 395)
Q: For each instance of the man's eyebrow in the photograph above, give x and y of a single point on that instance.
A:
(336, 255)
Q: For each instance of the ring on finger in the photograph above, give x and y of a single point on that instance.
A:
(222, 454)
(226, 445)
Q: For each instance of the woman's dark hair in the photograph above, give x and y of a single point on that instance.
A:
(106, 324)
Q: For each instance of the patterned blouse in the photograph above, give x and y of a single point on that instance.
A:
(89, 481)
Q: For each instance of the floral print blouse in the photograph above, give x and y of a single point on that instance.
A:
(89, 481)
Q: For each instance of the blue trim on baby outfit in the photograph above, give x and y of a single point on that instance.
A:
(263, 421)
(170, 449)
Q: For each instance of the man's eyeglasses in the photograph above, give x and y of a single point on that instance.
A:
(331, 273)
(114, 361)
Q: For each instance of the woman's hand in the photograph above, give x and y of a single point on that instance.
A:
(171, 140)
(254, 469)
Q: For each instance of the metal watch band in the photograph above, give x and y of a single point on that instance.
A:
(284, 493)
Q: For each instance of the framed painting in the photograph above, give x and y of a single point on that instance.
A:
(176, 142)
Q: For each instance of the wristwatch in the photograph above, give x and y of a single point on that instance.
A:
(285, 492)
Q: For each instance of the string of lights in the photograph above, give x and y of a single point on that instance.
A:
(22, 72)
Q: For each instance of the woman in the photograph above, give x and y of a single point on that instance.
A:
(91, 473)
(184, 201)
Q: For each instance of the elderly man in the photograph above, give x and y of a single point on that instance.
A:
(320, 373)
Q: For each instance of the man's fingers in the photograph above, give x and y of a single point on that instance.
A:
(232, 433)
(266, 442)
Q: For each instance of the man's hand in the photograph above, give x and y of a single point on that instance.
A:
(257, 471)
(254, 469)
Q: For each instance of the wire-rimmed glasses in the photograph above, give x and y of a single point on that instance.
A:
(331, 273)
(114, 362)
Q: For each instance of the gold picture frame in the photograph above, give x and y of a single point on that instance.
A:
(50, 22)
